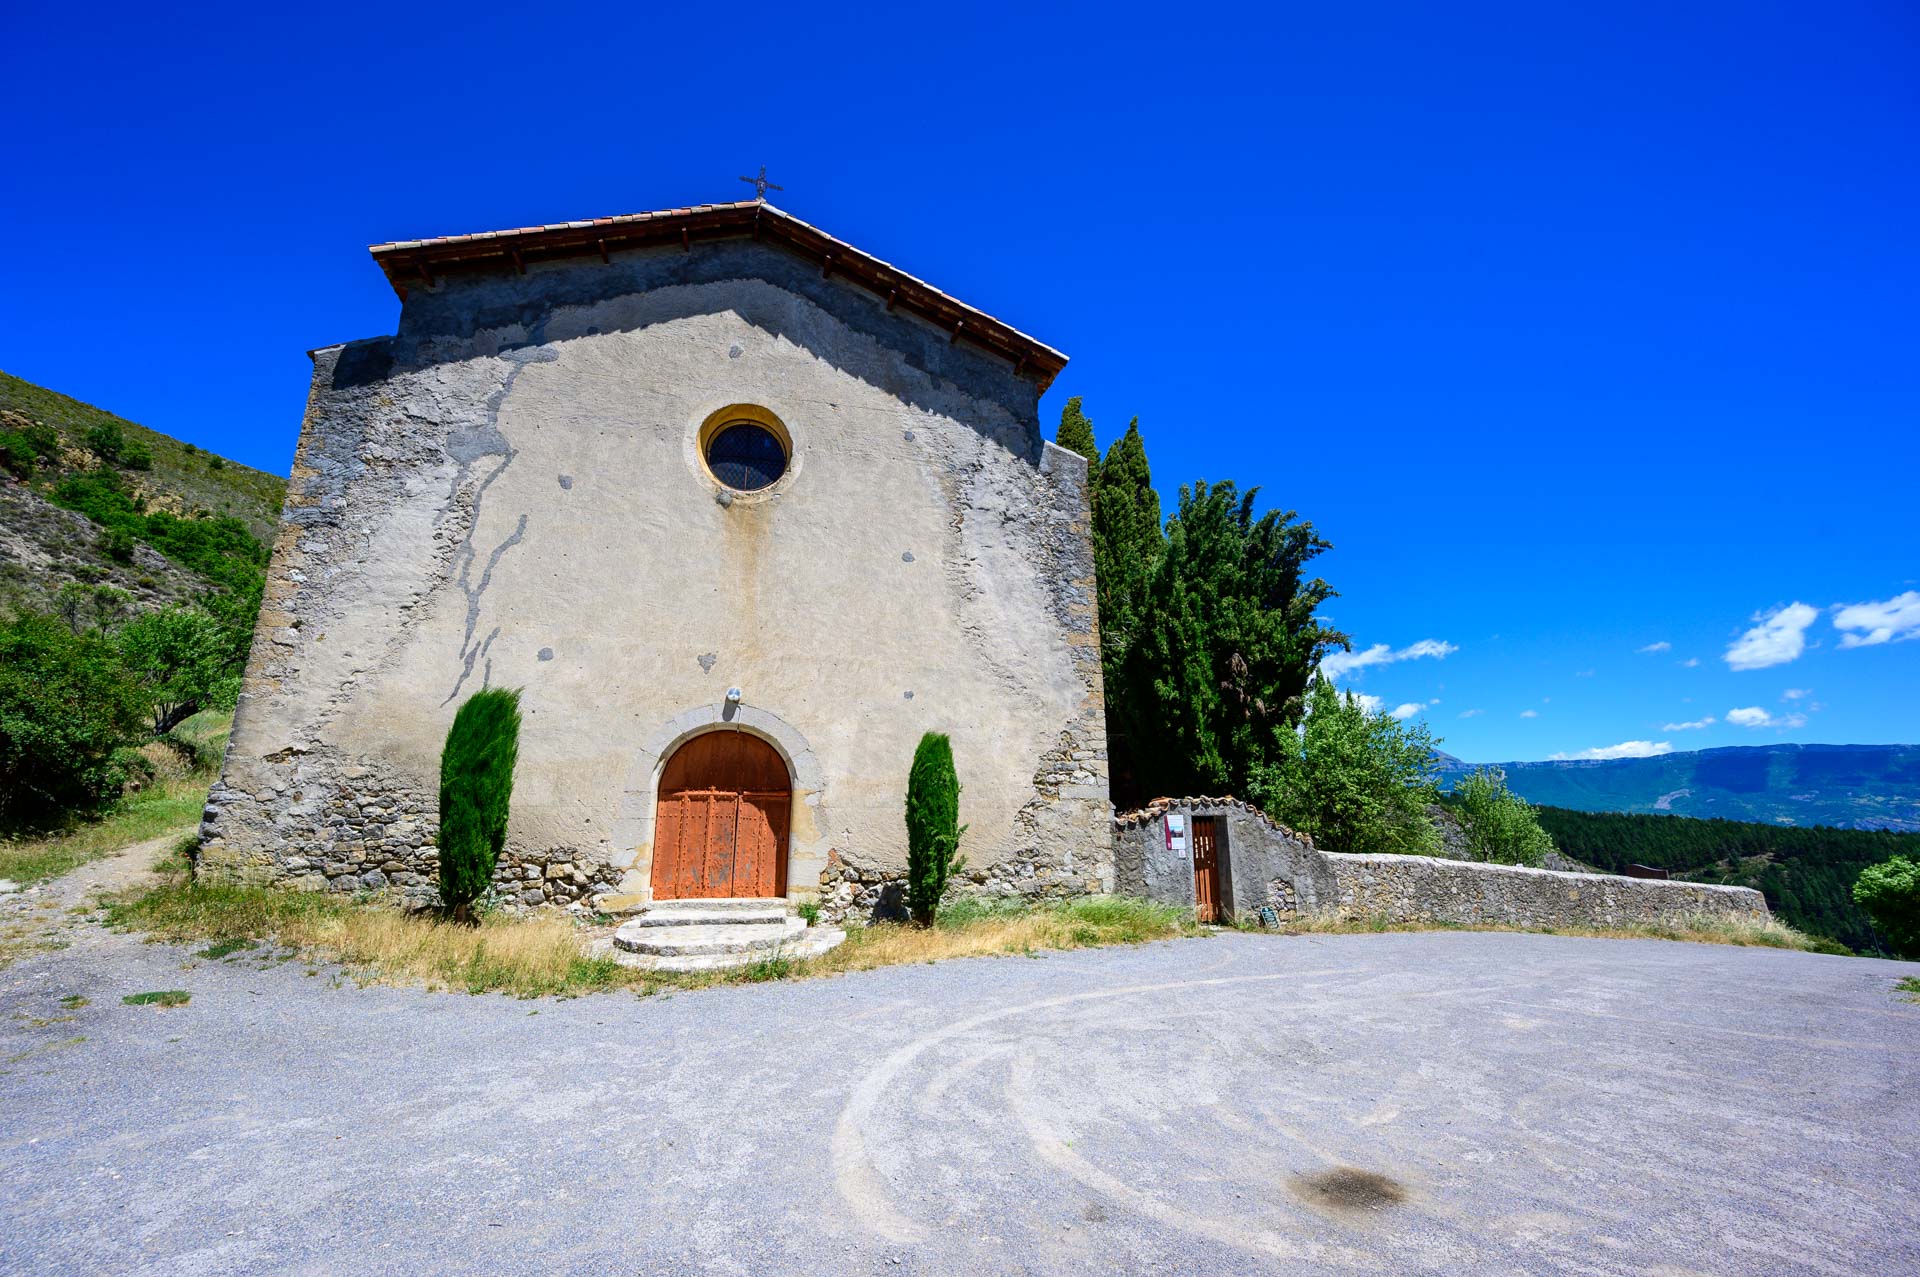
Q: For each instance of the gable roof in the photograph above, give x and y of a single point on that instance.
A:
(425, 260)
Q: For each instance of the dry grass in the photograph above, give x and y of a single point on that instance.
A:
(545, 954)
(1700, 929)
(167, 805)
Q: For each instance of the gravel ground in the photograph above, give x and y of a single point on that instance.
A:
(1445, 1102)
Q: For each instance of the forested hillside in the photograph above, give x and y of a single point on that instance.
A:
(131, 572)
(1806, 874)
(1851, 786)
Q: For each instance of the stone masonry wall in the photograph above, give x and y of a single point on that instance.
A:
(1264, 864)
(1427, 889)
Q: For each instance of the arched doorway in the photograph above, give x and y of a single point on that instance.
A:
(720, 828)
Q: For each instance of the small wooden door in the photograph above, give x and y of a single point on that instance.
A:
(1206, 868)
(720, 828)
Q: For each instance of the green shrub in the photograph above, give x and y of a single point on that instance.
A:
(1500, 826)
(106, 439)
(23, 449)
(135, 455)
(1890, 893)
(933, 826)
(116, 544)
(476, 788)
(64, 709)
(1355, 781)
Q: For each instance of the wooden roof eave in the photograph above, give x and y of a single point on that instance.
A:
(411, 262)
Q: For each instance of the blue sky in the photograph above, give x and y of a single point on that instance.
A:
(1577, 334)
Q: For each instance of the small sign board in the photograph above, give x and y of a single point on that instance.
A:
(1177, 833)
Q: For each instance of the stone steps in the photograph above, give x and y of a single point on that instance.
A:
(704, 935)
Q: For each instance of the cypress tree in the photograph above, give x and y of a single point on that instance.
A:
(1226, 644)
(1127, 543)
(476, 787)
(1127, 549)
(933, 826)
(1076, 433)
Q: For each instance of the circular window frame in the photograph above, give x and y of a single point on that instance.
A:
(751, 415)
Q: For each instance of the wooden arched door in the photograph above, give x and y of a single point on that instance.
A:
(721, 825)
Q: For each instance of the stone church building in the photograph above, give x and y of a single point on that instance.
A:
(743, 510)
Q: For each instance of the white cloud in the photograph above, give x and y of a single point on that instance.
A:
(1796, 693)
(1371, 704)
(1780, 637)
(1694, 726)
(1471, 713)
(1625, 749)
(1339, 663)
(1529, 713)
(1411, 708)
(1661, 646)
(1585, 673)
(1894, 621)
(1692, 662)
(1754, 716)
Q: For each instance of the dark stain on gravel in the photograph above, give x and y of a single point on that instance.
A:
(1350, 1189)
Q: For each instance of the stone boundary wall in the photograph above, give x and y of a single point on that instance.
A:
(1427, 889)
(1264, 864)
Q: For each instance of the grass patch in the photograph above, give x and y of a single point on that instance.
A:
(1700, 929)
(74, 1001)
(159, 998)
(543, 954)
(1909, 987)
(166, 805)
(226, 948)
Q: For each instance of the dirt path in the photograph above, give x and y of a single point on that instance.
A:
(54, 914)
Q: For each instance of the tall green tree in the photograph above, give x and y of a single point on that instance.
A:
(1127, 542)
(1355, 781)
(933, 826)
(1216, 671)
(476, 790)
(1076, 434)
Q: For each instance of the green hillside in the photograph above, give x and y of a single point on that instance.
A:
(1806, 873)
(163, 520)
(1849, 786)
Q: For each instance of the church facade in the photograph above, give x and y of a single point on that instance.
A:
(743, 510)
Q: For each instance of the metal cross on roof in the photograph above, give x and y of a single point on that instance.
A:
(761, 185)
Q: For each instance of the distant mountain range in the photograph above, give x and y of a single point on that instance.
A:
(1850, 786)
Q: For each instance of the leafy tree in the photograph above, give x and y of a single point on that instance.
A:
(91, 607)
(1499, 824)
(933, 826)
(1215, 677)
(1076, 434)
(1890, 893)
(64, 708)
(476, 790)
(1355, 781)
(176, 658)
